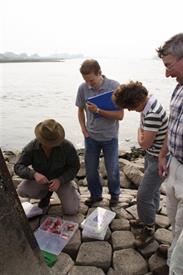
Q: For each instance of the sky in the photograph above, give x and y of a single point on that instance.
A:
(95, 28)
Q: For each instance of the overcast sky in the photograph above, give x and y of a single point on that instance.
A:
(95, 28)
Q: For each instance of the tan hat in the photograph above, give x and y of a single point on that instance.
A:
(49, 132)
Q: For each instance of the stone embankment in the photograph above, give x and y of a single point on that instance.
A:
(116, 254)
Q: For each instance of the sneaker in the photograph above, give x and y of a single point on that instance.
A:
(114, 201)
(162, 251)
(44, 203)
(136, 223)
(162, 270)
(92, 200)
(146, 236)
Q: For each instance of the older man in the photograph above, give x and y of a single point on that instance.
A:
(49, 163)
(171, 54)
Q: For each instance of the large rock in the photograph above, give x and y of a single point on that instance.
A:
(133, 211)
(122, 213)
(120, 224)
(163, 236)
(111, 271)
(123, 162)
(124, 180)
(86, 270)
(126, 198)
(63, 265)
(129, 261)
(96, 253)
(122, 239)
(149, 249)
(162, 221)
(134, 174)
(139, 164)
(155, 261)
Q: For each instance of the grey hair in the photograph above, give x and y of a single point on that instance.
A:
(173, 46)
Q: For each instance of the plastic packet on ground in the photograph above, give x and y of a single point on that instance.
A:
(96, 224)
(89, 233)
(54, 233)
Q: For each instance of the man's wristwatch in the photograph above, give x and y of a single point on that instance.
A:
(97, 111)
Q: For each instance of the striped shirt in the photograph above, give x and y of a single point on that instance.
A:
(154, 118)
(175, 126)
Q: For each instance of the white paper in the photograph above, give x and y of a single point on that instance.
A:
(31, 210)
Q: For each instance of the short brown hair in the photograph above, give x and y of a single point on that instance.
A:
(130, 95)
(90, 66)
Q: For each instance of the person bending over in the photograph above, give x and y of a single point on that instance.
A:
(151, 134)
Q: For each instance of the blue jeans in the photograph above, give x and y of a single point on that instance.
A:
(92, 154)
(148, 196)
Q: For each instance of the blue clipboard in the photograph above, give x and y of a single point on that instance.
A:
(104, 101)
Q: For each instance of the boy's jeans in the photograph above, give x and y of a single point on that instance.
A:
(92, 154)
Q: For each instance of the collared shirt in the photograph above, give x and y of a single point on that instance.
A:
(99, 127)
(154, 119)
(63, 162)
(175, 127)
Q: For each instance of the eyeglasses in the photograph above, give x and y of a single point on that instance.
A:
(171, 66)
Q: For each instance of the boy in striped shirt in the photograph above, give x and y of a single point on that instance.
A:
(151, 134)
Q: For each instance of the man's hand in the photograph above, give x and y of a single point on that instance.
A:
(91, 107)
(163, 167)
(81, 117)
(85, 132)
(54, 185)
(41, 179)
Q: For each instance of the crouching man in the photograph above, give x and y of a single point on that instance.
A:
(49, 164)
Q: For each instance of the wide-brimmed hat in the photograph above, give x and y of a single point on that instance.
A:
(50, 132)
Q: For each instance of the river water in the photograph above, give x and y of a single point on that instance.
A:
(32, 92)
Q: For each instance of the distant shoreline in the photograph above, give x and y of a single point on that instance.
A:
(31, 60)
